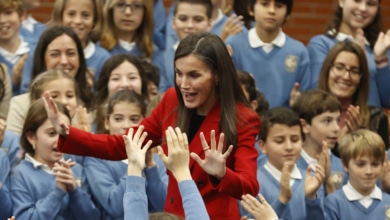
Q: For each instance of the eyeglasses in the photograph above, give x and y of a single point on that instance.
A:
(339, 69)
(134, 7)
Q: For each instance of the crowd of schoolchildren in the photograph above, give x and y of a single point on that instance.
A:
(323, 141)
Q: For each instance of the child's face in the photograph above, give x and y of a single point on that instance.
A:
(283, 145)
(45, 142)
(63, 90)
(190, 18)
(128, 19)
(78, 15)
(62, 54)
(343, 84)
(359, 14)
(125, 76)
(269, 15)
(324, 127)
(152, 90)
(363, 173)
(124, 116)
(10, 22)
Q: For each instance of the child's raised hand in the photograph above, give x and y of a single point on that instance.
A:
(83, 119)
(12, 218)
(294, 94)
(54, 115)
(214, 162)
(178, 158)
(353, 121)
(233, 25)
(382, 45)
(385, 175)
(325, 163)
(135, 152)
(313, 183)
(285, 188)
(259, 210)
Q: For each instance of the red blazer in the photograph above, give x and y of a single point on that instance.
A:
(220, 197)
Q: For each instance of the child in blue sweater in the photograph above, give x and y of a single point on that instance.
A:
(358, 21)
(190, 16)
(276, 60)
(319, 112)
(5, 198)
(12, 46)
(44, 185)
(290, 191)
(362, 153)
(125, 109)
(31, 28)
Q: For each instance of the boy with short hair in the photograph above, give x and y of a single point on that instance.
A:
(12, 45)
(363, 154)
(290, 191)
(190, 16)
(319, 112)
(276, 60)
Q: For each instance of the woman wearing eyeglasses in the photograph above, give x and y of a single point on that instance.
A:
(345, 74)
(128, 29)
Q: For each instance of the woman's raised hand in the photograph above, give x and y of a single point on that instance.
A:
(214, 162)
(54, 115)
(178, 158)
(135, 152)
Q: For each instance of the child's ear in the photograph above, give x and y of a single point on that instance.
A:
(305, 126)
(262, 146)
(106, 124)
(31, 138)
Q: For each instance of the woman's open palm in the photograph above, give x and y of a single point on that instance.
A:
(214, 162)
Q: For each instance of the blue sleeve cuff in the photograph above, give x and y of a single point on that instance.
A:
(135, 184)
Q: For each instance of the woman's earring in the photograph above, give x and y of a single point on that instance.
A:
(33, 146)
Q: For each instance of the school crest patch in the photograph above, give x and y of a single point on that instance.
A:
(387, 212)
(78, 181)
(291, 63)
(337, 179)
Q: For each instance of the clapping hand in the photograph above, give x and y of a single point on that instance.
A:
(258, 209)
(313, 183)
(64, 175)
(214, 162)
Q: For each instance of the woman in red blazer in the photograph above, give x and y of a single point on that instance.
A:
(206, 100)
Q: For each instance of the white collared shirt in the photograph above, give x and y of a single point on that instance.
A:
(366, 201)
(255, 41)
(29, 23)
(128, 46)
(295, 174)
(309, 160)
(342, 37)
(14, 57)
(219, 18)
(89, 50)
(38, 165)
(175, 45)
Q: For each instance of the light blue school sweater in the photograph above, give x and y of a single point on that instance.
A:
(109, 188)
(95, 63)
(337, 206)
(11, 146)
(5, 198)
(36, 196)
(33, 36)
(379, 95)
(159, 24)
(276, 72)
(135, 200)
(157, 58)
(299, 207)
